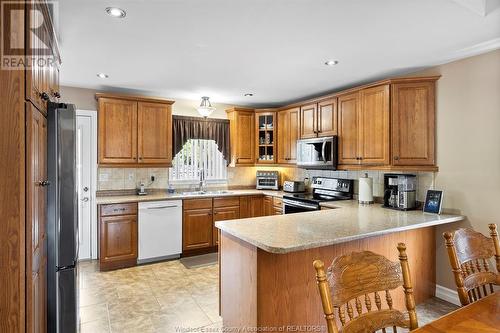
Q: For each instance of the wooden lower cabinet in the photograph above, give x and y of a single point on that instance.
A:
(197, 229)
(223, 214)
(118, 236)
(268, 205)
(251, 206)
(277, 206)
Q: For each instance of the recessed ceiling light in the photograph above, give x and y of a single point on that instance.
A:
(102, 75)
(116, 12)
(248, 95)
(331, 62)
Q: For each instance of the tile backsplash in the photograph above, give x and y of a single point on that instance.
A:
(130, 178)
(425, 180)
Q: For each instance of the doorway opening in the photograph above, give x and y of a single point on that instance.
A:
(86, 173)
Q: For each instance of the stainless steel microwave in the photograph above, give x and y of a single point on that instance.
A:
(317, 153)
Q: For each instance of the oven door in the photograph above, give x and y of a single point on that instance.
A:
(267, 183)
(317, 153)
(295, 206)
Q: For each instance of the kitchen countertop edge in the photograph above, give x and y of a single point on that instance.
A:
(159, 196)
(315, 244)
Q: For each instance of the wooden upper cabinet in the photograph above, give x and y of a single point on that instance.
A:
(413, 123)
(288, 134)
(308, 121)
(117, 131)
(134, 131)
(42, 79)
(242, 132)
(265, 135)
(348, 123)
(374, 147)
(327, 117)
(154, 133)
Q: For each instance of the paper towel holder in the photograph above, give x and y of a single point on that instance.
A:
(365, 195)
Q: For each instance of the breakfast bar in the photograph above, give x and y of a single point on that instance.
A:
(267, 281)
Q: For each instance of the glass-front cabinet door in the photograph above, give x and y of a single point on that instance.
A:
(265, 127)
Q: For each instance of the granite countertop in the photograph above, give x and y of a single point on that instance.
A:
(346, 222)
(163, 195)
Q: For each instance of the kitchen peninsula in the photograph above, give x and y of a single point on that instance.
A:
(266, 274)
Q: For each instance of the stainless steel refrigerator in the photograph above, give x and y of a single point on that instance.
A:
(62, 220)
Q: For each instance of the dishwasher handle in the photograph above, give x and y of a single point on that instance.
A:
(162, 207)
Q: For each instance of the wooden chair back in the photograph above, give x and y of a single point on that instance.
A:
(353, 289)
(470, 253)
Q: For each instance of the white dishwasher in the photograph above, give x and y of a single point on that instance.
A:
(160, 230)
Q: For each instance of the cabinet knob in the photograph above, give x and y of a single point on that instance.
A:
(45, 96)
(396, 158)
(43, 183)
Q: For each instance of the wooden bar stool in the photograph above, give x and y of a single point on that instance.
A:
(470, 252)
(354, 282)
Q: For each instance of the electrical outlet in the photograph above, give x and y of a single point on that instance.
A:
(103, 177)
(131, 176)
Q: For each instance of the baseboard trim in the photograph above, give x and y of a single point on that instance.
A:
(448, 295)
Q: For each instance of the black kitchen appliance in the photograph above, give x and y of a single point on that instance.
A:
(324, 189)
(400, 191)
(62, 220)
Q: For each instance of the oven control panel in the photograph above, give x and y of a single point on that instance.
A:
(332, 184)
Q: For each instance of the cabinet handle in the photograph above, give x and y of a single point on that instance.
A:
(43, 183)
(396, 158)
(140, 158)
(45, 96)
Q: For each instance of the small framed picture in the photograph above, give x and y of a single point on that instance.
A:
(433, 201)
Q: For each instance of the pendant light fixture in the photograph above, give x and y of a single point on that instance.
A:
(205, 108)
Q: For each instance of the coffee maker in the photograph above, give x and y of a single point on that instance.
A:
(400, 191)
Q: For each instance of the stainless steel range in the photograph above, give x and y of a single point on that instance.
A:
(324, 189)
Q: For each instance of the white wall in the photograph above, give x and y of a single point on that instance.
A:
(468, 145)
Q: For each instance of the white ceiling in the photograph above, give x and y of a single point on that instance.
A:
(272, 48)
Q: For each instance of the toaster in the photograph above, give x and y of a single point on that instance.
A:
(294, 186)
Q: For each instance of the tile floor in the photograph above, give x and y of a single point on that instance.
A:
(151, 298)
(164, 297)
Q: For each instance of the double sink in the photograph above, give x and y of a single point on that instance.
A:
(206, 192)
